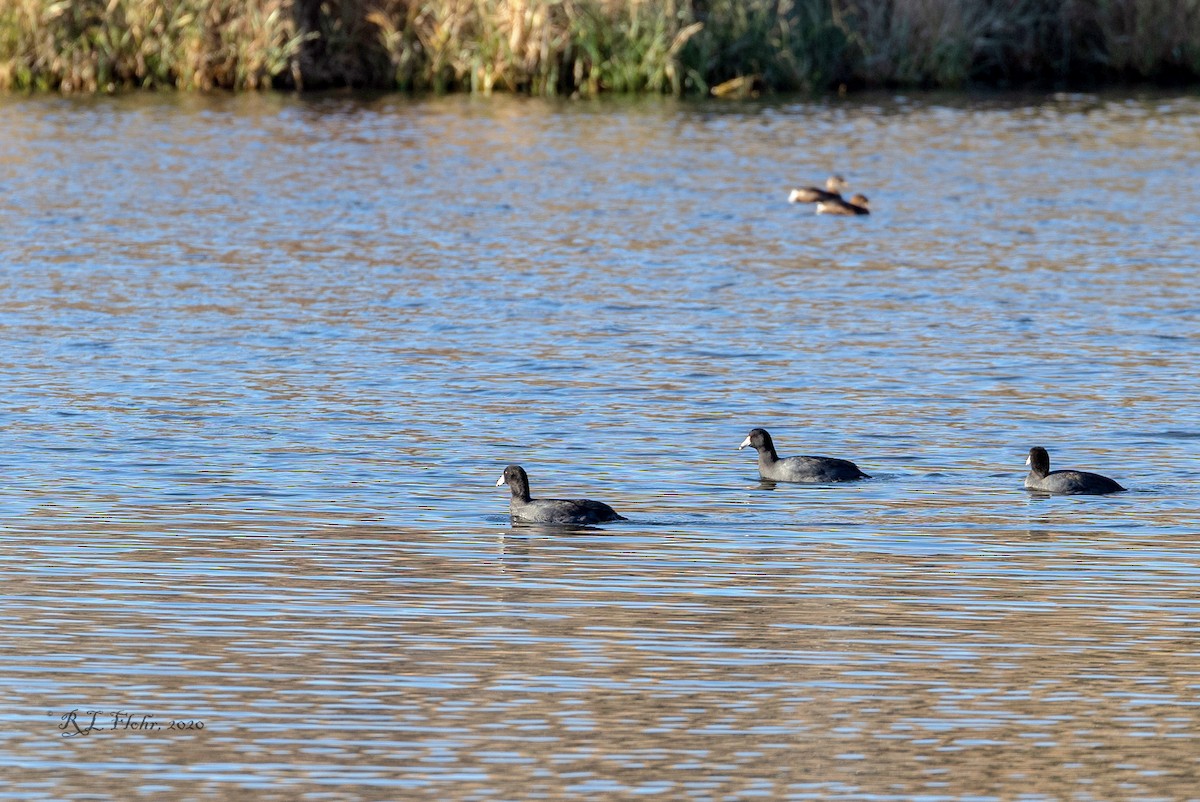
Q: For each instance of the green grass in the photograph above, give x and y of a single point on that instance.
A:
(588, 47)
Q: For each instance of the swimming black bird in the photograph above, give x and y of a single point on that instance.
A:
(551, 510)
(798, 469)
(1065, 482)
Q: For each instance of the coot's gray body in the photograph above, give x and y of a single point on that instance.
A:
(551, 510)
(798, 469)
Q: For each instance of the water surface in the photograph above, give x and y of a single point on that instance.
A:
(265, 357)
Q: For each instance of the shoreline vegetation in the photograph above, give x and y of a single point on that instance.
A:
(590, 47)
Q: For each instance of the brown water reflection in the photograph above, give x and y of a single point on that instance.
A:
(392, 664)
(264, 358)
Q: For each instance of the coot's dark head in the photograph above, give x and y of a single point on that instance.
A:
(760, 440)
(514, 476)
(1039, 461)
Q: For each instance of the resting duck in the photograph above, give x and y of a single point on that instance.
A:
(833, 190)
(856, 205)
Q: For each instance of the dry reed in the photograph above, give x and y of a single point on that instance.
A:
(592, 46)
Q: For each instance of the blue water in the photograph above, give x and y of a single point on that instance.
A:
(265, 357)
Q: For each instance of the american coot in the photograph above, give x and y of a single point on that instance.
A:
(1067, 482)
(833, 191)
(550, 510)
(856, 205)
(798, 469)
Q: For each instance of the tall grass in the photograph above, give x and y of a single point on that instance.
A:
(592, 46)
(98, 45)
(537, 46)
